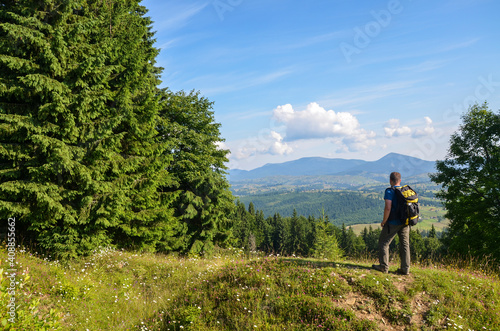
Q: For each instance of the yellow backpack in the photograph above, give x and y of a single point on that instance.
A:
(407, 210)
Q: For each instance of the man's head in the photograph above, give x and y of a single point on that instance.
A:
(395, 178)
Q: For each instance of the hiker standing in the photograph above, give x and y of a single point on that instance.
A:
(392, 225)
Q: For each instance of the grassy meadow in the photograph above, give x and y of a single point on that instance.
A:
(429, 216)
(117, 290)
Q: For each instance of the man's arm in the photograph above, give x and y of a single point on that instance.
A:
(387, 211)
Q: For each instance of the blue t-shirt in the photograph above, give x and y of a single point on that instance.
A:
(390, 194)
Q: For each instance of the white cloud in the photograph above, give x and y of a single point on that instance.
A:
(271, 144)
(278, 147)
(393, 128)
(317, 123)
(426, 131)
(220, 145)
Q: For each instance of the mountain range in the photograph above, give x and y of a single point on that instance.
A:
(378, 170)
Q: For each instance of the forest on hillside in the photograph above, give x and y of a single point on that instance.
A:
(342, 207)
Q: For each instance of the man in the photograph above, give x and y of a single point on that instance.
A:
(391, 226)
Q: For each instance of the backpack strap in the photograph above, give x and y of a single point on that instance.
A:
(393, 212)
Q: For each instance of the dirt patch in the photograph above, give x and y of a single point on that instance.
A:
(364, 308)
(405, 314)
(402, 283)
(420, 305)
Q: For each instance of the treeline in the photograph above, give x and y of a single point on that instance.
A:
(317, 237)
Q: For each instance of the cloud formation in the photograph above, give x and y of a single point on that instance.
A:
(317, 123)
(278, 147)
(271, 143)
(426, 131)
(393, 128)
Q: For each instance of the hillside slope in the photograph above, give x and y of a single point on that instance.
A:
(341, 207)
(116, 290)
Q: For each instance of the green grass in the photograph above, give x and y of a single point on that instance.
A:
(429, 216)
(116, 290)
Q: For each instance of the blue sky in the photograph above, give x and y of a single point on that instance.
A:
(332, 78)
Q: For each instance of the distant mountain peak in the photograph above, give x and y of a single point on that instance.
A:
(318, 166)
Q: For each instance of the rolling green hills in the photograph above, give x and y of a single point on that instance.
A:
(348, 191)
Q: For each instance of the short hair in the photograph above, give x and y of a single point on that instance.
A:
(395, 177)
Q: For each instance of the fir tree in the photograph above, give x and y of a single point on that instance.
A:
(251, 209)
(325, 244)
(261, 229)
(432, 232)
(204, 200)
(281, 234)
(242, 227)
(267, 242)
(82, 163)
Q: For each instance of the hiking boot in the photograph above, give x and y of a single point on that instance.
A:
(379, 268)
(402, 272)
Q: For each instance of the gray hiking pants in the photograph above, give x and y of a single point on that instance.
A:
(386, 236)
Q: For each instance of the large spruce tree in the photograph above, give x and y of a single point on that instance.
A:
(204, 202)
(84, 158)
